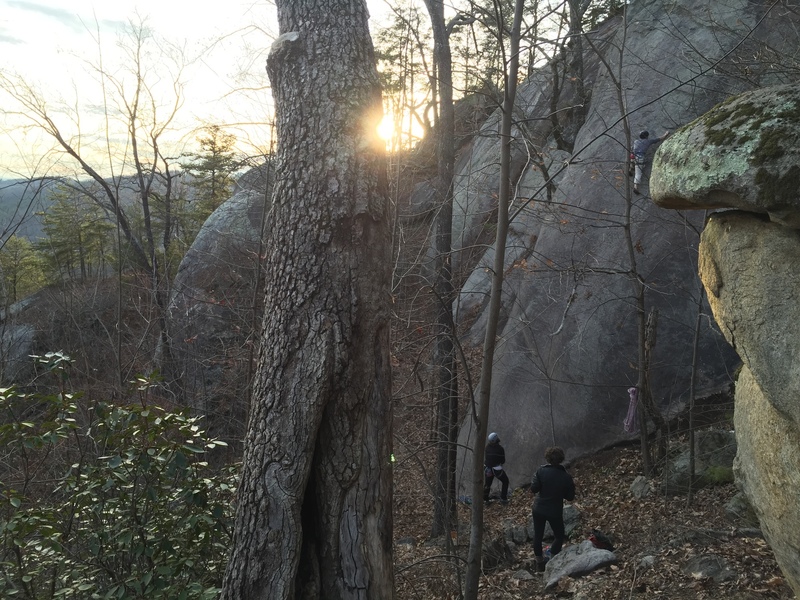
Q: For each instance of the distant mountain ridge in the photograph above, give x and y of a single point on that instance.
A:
(22, 199)
(19, 204)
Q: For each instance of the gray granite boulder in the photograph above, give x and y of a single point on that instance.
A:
(709, 566)
(739, 511)
(744, 153)
(576, 560)
(496, 554)
(215, 311)
(714, 453)
(16, 346)
(17, 342)
(572, 521)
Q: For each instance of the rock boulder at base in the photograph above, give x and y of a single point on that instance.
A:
(496, 554)
(744, 155)
(709, 565)
(748, 267)
(714, 452)
(576, 560)
(767, 469)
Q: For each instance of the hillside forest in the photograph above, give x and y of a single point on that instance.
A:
(244, 371)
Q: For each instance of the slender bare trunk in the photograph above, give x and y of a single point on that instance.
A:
(484, 393)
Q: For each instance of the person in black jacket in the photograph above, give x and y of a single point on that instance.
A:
(553, 485)
(493, 460)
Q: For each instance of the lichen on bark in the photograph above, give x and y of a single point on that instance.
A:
(314, 516)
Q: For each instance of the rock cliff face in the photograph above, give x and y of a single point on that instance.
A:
(568, 341)
(748, 265)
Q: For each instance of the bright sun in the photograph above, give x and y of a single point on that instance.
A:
(386, 128)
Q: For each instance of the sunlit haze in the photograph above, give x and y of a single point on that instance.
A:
(56, 46)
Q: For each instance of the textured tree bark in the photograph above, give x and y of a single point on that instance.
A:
(315, 501)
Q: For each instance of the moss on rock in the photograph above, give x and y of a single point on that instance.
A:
(718, 475)
(724, 123)
(744, 153)
(769, 147)
(777, 189)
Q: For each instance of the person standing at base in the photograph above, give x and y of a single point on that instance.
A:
(493, 460)
(640, 148)
(553, 485)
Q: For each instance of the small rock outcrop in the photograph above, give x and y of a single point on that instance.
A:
(740, 511)
(714, 452)
(747, 263)
(497, 554)
(576, 560)
(572, 521)
(16, 346)
(709, 566)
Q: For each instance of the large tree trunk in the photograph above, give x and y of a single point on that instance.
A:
(314, 514)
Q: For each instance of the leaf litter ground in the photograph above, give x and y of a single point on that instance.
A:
(655, 536)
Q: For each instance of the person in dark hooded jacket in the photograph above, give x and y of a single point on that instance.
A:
(493, 460)
(553, 485)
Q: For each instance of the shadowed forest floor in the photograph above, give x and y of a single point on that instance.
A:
(660, 527)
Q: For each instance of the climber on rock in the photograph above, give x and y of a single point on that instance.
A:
(639, 155)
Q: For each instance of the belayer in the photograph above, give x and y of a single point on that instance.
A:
(553, 485)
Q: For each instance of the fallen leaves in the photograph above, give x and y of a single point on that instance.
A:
(655, 538)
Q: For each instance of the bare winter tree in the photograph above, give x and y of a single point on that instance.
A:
(481, 412)
(131, 176)
(314, 514)
(446, 382)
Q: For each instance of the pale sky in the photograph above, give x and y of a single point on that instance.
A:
(53, 44)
